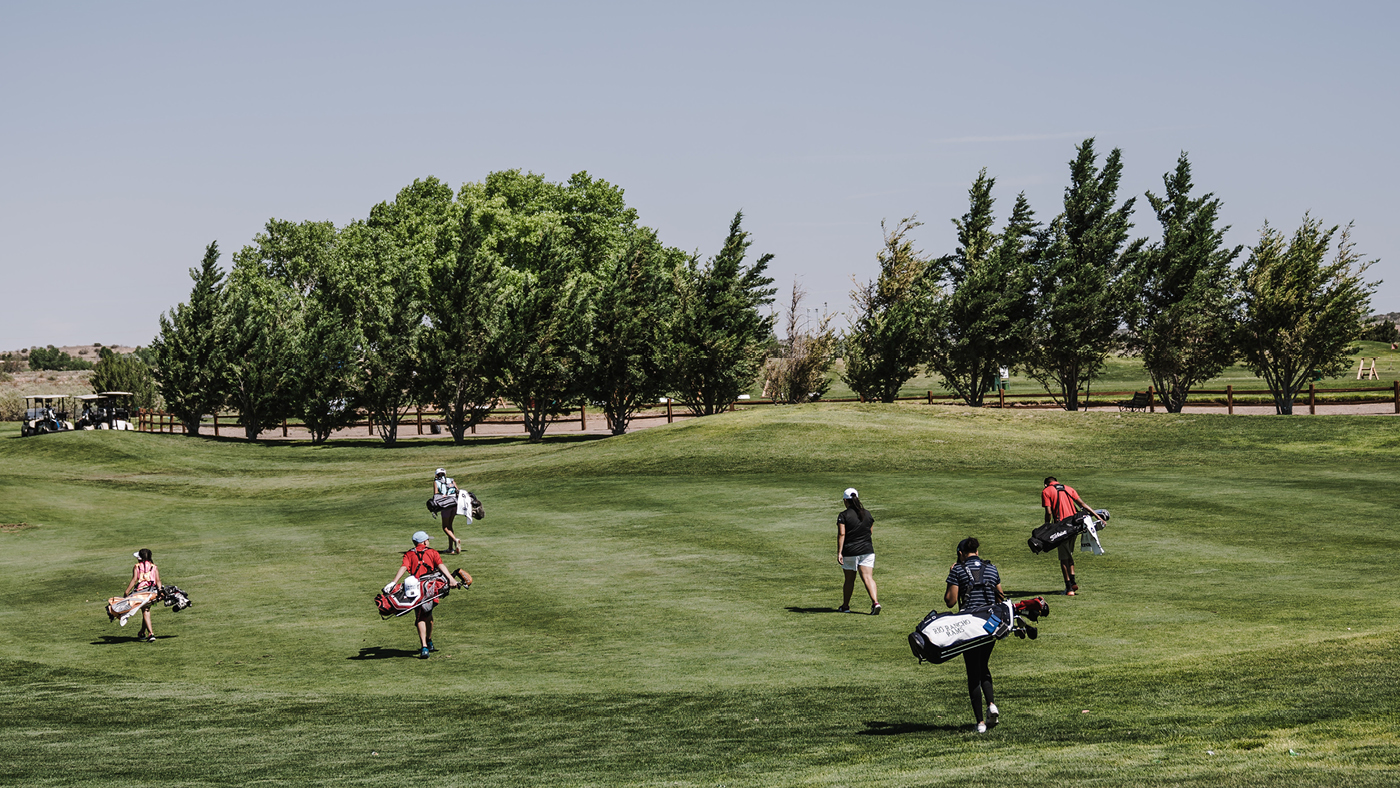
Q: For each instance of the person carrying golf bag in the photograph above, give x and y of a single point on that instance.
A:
(419, 562)
(1061, 502)
(973, 582)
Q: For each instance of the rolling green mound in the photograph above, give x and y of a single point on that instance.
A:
(656, 609)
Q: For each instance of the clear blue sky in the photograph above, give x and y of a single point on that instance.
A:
(136, 133)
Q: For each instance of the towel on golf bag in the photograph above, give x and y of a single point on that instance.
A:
(1051, 535)
(171, 596)
(411, 593)
(944, 635)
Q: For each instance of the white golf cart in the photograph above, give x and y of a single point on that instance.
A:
(45, 413)
(107, 410)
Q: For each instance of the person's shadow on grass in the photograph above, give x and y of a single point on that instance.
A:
(882, 728)
(112, 640)
(812, 610)
(380, 652)
(1014, 595)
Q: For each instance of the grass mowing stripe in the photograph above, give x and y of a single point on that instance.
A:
(911, 732)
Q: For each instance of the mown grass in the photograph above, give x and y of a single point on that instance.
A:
(652, 609)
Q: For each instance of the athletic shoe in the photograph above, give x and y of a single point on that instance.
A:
(151, 639)
(843, 609)
(1070, 591)
(431, 647)
(874, 610)
(423, 653)
(981, 727)
(992, 713)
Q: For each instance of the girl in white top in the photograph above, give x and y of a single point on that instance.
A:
(444, 485)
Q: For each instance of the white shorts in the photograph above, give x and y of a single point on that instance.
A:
(850, 562)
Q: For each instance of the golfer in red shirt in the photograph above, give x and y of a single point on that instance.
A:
(420, 561)
(1059, 501)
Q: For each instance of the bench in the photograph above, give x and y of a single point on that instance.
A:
(1140, 401)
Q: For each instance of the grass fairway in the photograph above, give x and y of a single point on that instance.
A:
(652, 609)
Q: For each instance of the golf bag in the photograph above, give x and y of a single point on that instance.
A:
(124, 607)
(414, 592)
(439, 503)
(942, 636)
(1051, 535)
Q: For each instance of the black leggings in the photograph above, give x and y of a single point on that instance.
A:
(979, 676)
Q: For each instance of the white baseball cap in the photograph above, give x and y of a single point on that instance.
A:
(419, 537)
(440, 472)
(850, 493)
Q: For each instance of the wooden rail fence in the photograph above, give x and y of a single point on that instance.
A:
(160, 421)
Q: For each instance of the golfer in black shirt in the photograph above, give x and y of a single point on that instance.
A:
(973, 582)
(855, 550)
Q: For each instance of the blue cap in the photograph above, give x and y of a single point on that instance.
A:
(419, 537)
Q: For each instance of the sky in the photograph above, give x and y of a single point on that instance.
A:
(133, 134)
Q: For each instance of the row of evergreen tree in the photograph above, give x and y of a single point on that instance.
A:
(551, 294)
(1056, 299)
(543, 294)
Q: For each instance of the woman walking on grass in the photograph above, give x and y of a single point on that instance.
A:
(855, 550)
(445, 485)
(144, 577)
(973, 582)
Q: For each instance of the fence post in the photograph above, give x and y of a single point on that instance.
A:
(1151, 401)
(1230, 399)
(930, 396)
(420, 419)
(216, 425)
(583, 418)
(1312, 399)
(284, 428)
(670, 418)
(1397, 396)
(1001, 397)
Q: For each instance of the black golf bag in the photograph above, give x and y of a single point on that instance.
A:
(1051, 535)
(942, 636)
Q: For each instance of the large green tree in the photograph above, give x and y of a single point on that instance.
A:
(545, 339)
(256, 334)
(982, 318)
(324, 362)
(185, 351)
(631, 330)
(1080, 282)
(388, 260)
(720, 333)
(884, 346)
(1301, 313)
(460, 346)
(1181, 313)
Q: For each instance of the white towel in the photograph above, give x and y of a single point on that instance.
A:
(464, 505)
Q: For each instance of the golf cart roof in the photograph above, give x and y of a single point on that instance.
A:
(88, 397)
(116, 394)
(45, 396)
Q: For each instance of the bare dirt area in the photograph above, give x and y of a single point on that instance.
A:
(409, 428)
(68, 382)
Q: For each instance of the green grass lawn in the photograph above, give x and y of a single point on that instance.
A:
(653, 609)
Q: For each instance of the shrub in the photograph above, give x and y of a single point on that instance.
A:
(11, 406)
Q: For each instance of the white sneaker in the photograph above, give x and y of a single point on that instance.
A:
(992, 713)
(981, 727)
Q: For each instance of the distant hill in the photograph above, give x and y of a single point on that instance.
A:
(85, 352)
